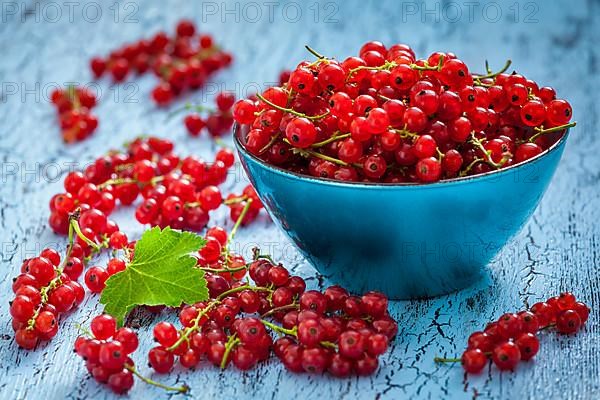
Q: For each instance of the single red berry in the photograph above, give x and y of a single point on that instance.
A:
(473, 361)
(528, 345)
(165, 333)
(161, 359)
(95, 279)
(103, 326)
(506, 356)
(352, 345)
(568, 321)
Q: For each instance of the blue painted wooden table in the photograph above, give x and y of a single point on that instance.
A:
(44, 44)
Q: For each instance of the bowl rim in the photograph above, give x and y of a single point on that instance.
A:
(328, 181)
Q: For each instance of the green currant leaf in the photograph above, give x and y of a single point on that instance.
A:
(162, 273)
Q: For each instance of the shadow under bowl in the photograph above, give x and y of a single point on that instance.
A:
(405, 240)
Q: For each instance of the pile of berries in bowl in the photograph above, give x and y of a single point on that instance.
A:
(401, 174)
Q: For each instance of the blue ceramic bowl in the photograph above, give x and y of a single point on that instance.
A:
(406, 240)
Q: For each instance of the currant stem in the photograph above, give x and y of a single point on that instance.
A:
(256, 255)
(271, 141)
(306, 153)
(89, 242)
(231, 343)
(180, 389)
(428, 67)
(446, 360)
(333, 138)
(488, 157)
(386, 66)
(541, 131)
(84, 330)
(237, 224)
(235, 200)
(470, 166)
(241, 288)
(190, 107)
(189, 330)
(280, 329)
(281, 308)
(56, 280)
(117, 181)
(405, 133)
(224, 270)
(291, 111)
(494, 74)
(314, 52)
(294, 332)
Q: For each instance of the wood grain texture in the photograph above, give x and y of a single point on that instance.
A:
(555, 43)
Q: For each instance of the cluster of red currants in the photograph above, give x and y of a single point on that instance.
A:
(513, 337)
(106, 353)
(386, 116)
(177, 191)
(73, 105)
(47, 287)
(217, 123)
(44, 290)
(330, 331)
(182, 62)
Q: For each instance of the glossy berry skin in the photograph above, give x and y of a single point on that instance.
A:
(545, 313)
(301, 132)
(374, 304)
(366, 366)
(26, 339)
(566, 301)
(194, 124)
(533, 113)
(95, 279)
(582, 310)
(103, 326)
(340, 367)
(506, 356)
(45, 322)
(429, 170)
(568, 322)
(22, 308)
(529, 321)
(161, 359)
(314, 301)
(165, 333)
(112, 355)
(528, 345)
(121, 382)
(128, 338)
(315, 360)
(473, 361)
(310, 332)
(352, 345)
(509, 326)
(377, 344)
(559, 112)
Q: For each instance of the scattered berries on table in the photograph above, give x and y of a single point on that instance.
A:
(216, 121)
(514, 336)
(181, 62)
(73, 106)
(175, 191)
(315, 331)
(107, 353)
